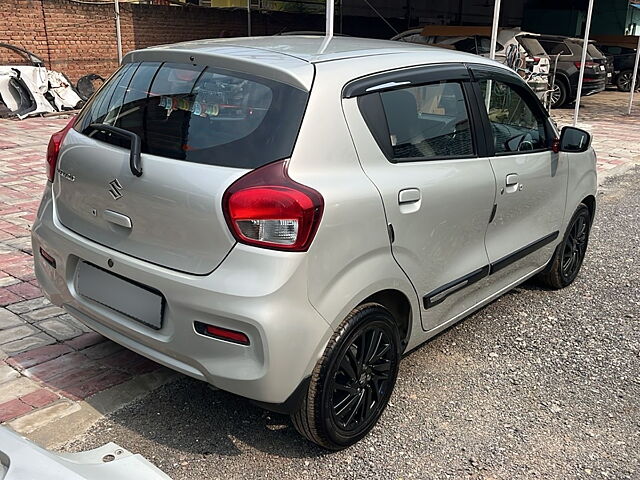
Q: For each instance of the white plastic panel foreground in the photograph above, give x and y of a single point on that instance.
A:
(123, 296)
(23, 460)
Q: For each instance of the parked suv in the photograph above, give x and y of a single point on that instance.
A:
(518, 50)
(284, 218)
(623, 63)
(566, 71)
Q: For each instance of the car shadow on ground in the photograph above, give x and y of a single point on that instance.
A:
(190, 416)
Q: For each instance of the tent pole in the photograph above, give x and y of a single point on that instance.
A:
(494, 29)
(329, 24)
(635, 76)
(116, 6)
(248, 18)
(585, 45)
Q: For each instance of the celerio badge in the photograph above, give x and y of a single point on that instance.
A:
(115, 188)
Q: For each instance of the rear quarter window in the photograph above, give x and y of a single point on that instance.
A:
(198, 114)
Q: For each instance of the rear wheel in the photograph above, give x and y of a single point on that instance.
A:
(624, 80)
(352, 382)
(569, 255)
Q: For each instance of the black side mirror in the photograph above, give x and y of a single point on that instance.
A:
(573, 140)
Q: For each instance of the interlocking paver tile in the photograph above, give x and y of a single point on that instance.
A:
(38, 356)
(16, 333)
(16, 388)
(7, 373)
(39, 398)
(43, 313)
(29, 305)
(8, 320)
(59, 329)
(12, 409)
(27, 343)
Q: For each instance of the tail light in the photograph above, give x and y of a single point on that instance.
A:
(586, 64)
(54, 148)
(536, 60)
(267, 209)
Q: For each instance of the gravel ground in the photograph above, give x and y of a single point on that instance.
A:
(538, 384)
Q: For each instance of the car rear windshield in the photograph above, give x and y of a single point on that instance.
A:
(532, 46)
(198, 114)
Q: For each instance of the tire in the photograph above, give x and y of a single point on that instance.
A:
(569, 255)
(559, 94)
(624, 80)
(348, 377)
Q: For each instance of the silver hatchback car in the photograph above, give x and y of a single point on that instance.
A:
(284, 217)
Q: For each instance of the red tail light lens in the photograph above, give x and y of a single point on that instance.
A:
(54, 148)
(536, 60)
(586, 64)
(267, 209)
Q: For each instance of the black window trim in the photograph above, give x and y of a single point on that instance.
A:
(486, 72)
(372, 110)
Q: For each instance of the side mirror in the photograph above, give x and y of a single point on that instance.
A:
(572, 140)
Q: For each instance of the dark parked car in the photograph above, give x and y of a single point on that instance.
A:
(623, 63)
(569, 55)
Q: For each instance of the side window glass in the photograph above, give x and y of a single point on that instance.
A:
(428, 122)
(515, 126)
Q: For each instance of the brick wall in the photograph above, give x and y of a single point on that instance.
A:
(78, 39)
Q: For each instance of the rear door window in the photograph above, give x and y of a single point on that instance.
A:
(428, 122)
(198, 114)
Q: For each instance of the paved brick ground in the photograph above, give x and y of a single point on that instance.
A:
(46, 356)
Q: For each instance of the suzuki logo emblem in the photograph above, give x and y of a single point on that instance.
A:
(114, 189)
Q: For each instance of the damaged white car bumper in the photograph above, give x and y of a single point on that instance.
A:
(21, 459)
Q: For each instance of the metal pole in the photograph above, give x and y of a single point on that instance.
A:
(494, 29)
(635, 76)
(249, 18)
(118, 33)
(329, 24)
(585, 45)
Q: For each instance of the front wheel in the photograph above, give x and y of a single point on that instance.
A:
(569, 255)
(559, 94)
(352, 382)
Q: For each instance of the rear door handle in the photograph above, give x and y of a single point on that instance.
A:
(512, 179)
(408, 195)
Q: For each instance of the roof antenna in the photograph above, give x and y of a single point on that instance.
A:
(328, 31)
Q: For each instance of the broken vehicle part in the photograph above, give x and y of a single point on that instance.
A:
(21, 459)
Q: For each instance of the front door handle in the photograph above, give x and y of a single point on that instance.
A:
(512, 179)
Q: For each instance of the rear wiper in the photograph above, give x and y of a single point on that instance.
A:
(135, 161)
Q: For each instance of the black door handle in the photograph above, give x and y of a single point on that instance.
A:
(135, 160)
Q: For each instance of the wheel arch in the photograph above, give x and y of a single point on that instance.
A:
(400, 308)
(590, 202)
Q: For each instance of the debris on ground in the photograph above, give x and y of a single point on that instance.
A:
(33, 89)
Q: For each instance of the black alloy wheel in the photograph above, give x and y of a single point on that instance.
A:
(362, 379)
(624, 81)
(569, 255)
(353, 381)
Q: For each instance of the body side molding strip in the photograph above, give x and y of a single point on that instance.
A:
(523, 252)
(440, 294)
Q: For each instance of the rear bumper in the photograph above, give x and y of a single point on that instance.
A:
(261, 293)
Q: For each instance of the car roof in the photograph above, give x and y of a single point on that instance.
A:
(308, 48)
(290, 59)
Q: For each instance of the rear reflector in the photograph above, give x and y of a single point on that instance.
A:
(47, 258)
(220, 333)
